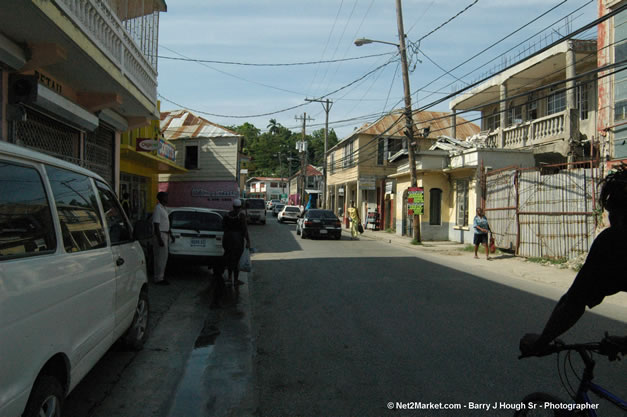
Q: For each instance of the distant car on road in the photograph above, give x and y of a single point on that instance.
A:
(288, 214)
(277, 208)
(319, 223)
(271, 203)
(255, 209)
(197, 235)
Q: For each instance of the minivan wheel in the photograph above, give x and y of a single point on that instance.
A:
(46, 398)
(137, 333)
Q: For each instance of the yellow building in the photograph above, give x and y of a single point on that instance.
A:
(144, 154)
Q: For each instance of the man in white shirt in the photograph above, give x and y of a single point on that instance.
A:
(161, 224)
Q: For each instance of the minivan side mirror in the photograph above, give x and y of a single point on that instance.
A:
(142, 230)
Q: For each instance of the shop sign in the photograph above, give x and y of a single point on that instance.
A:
(166, 150)
(340, 191)
(215, 195)
(367, 183)
(146, 145)
(415, 201)
(389, 187)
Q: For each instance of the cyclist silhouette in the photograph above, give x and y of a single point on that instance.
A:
(603, 272)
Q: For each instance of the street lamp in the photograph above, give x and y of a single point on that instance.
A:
(409, 124)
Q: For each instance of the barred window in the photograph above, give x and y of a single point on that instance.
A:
(462, 202)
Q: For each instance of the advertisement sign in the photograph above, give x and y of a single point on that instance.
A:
(389, 187)
(146, 145)
(367, 183)
(415, 201)
(166, 150)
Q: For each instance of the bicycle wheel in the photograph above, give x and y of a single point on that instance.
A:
(538, 404)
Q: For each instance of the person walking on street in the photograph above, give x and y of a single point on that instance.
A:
(235, 233)
(161, 225)
(353, 213)
(482, 228)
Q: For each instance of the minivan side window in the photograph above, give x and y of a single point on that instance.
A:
(26, 226)
(77, 206)
(119, 229)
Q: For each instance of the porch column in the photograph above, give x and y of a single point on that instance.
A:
(503, 114)
(570, 74)
(454, 124)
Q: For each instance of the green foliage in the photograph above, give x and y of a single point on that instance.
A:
(545, 260)
(274, 154)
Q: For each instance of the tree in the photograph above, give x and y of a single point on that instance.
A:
(273, 127)
(315, 150)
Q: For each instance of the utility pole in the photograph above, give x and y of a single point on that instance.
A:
(302, 148)
(326, 105)
(409, 124)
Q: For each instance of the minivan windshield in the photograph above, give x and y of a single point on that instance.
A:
(255, 204)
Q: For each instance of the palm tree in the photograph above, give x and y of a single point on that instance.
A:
(273, 127)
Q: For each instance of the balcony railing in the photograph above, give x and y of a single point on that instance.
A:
(103, 27)
(535, 132)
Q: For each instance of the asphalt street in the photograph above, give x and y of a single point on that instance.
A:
(346, 328)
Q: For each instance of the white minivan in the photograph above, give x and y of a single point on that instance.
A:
(72, 279)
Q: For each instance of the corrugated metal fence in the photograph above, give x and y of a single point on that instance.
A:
(543, 212)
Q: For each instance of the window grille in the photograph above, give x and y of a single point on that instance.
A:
(99, 152)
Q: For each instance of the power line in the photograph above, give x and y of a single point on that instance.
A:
(250, 64)
(448, 21)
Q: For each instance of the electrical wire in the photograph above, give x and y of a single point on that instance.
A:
(284, 64)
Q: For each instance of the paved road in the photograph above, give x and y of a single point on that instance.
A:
(345, 327)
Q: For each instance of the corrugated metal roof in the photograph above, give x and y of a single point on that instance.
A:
(179, 124)
(438, 122)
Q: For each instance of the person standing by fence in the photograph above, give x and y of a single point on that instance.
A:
(482, 229)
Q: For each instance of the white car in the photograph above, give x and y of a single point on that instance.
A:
(197, 234)
(289, 214)
(72, 279)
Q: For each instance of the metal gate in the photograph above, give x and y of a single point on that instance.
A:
(543, 212)
(47, 135)
(99, 152)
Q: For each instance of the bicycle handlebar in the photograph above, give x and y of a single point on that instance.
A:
(610, 346)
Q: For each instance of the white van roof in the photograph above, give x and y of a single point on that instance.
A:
(32, 155)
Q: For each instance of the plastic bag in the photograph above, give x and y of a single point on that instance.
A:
(492, 244)
(245, 265)
(360, 228)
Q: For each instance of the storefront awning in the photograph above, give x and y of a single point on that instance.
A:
(148, 160)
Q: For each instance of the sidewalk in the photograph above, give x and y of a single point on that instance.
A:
(502, 264)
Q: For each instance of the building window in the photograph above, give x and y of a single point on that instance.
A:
(332, 163)
(348, 158)
(191, 157)
(380, 151)
(435, 206)
(493, 121)
(514, 115)
(581, 94)
(394, 145)
(462, 203)
(556, 102)
(274, 184)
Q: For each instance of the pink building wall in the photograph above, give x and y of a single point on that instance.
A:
(207, 194)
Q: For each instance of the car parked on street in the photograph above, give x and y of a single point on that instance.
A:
(288, 214)
(197, 234)
(277, 208)
(271, 203)
(72, 279)
(319, 223)
(255, 209)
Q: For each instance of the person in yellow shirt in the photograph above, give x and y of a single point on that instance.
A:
(353, 214)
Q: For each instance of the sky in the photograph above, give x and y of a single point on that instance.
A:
(214, 56)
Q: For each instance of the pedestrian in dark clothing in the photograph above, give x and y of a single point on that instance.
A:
(235, 233)
(126, 205)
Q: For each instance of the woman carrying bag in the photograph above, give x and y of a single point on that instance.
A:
(353, 213)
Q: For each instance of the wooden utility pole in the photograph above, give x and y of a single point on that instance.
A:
(326, 104)
(303, 157)
(409, 124)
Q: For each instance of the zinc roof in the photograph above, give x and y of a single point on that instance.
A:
(438, 122)
(179, 124)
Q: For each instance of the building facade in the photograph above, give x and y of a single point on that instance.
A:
(87, 74)
(211, 155)
(268, 188)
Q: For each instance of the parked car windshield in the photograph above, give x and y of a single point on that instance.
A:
(195, 220)
(255, 204)
(292, 209)
(320, 214)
